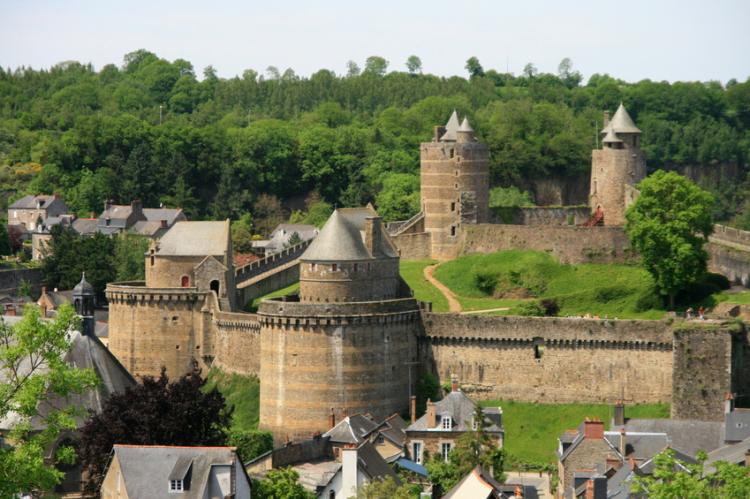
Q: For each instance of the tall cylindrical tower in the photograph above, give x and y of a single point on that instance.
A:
(616, 168)
(346, 344)
(454, 184)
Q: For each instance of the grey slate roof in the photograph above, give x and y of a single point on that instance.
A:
(621, 122)
(85, 226)
(610, 137)
(342, 238)
(352, 429)
(146, 469)
(195, 239)
(465, 126)
(451, 128)
(171, 215)
(29, 203)
(461, 410)
(146, 228)
(737, 425)
(686, 435)
(639, 445)
(733, 453)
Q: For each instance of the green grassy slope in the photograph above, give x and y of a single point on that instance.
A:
(412, 272)
(292, 288)
(531, 430)
(597, 289)
(242, 393)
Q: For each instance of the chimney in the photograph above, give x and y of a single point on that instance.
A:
(605, 119)
(623, 448)
(590, 489)
(413, 408)
(92, 214)
(107, 204)
(439, 132)
(164, 224)
(137, 209)
(431, 416)
(631, 463)
(44, 290)
(747, 458)
(372, 234)
(349, 470)
(454, 383)
(593, 429)
(331, 419)
(728, 403)
(619, 413)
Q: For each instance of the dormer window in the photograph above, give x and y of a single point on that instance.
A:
(176, 486)
(334, 267)
(446, 423)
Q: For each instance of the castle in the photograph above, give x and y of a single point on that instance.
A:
(354, 339)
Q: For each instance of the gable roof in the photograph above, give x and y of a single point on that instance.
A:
(195, 239)
(171, 215)
(146, 469)
(342, 238)
(352, 429)
(687, 435)
(621, 122)
(639, 445)
(461, 410)
(733, 453)
(477, 484)
(29, 202)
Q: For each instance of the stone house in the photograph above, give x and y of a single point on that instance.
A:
(30, 211)
(281, 238)
(151, 222)
(479, 484)
(326, 468)
(388, 438)
(437, 431)
(154, 471)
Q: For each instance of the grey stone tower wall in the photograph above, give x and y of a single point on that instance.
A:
(453, 173)
(612, 171)
(346, 357)
(352, 281)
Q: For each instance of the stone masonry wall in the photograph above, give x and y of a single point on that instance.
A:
(11, 279)
(702, 371)
(236, 343)
(552, 360)
(566, 243)
(540, 215)
(413, 246)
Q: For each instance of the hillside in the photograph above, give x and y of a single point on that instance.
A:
(158, 131)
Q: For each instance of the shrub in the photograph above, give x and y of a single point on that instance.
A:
(550, 306)
(610, 293)
(251, 443)
(648, 300)
(531, 309)
(485, 281)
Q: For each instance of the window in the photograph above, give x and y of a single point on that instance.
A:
(185, 281)
(446, 423)
(356, 267)
(312, 267)
(453, 206)
(214, 285)
(445, 449)
(152, 260)
(453, 230)
(452, 153)
(416, 452)
(175, 486)
(334, 267)
(331, 494)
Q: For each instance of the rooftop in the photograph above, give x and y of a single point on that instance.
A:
(621, 122)
(461, 410)
(196, 239)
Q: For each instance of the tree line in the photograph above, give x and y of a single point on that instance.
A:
(152, 129)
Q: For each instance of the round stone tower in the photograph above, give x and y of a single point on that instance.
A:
(454, 184)
(616, 168)
(346, 343)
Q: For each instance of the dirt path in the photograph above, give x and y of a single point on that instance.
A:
(453, 304)
(501, 309)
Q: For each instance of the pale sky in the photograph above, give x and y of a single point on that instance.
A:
(657, 39)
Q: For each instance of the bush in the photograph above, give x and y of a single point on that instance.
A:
(251, 443)
(509, 197)
(648, 300)
(550, 306)
(610, 293)
(531, 309)
(485, 281)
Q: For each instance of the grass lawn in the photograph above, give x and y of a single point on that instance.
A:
(740, 298)
(412, 272)
(531, 430)
(597, 289)
(242, 393)
(253, 306)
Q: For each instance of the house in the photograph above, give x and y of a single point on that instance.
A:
(388, 437)
(41, 236)
(153, 471)
(30, 211)
(151, 222)
(445, 421)
(479, 484)
(282, 237)
(50, 301)
(326, 468)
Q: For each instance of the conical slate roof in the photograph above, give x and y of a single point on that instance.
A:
(83, 287)
(622, 122)
(451, 128)
(611, 137)
(342, 238)
(465, 126)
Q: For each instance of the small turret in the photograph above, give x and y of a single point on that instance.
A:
(83, 300)
(465, 133)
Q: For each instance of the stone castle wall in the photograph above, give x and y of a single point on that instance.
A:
(569, 244)
(10, 280)
(349, 281)
(346, 357)
(552, 360)
(413, 246)
(540, 215)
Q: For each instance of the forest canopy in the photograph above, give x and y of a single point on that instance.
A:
(157, 130)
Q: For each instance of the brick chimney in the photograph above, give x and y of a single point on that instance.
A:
(431, 414)
(590, 489)
(619, 413)
(439, 132)
(454, 383)
(164, 224)
(728, 403)
(372, 234)
(331, 419)
(137, 209)
(593, 429)
(413, 408)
